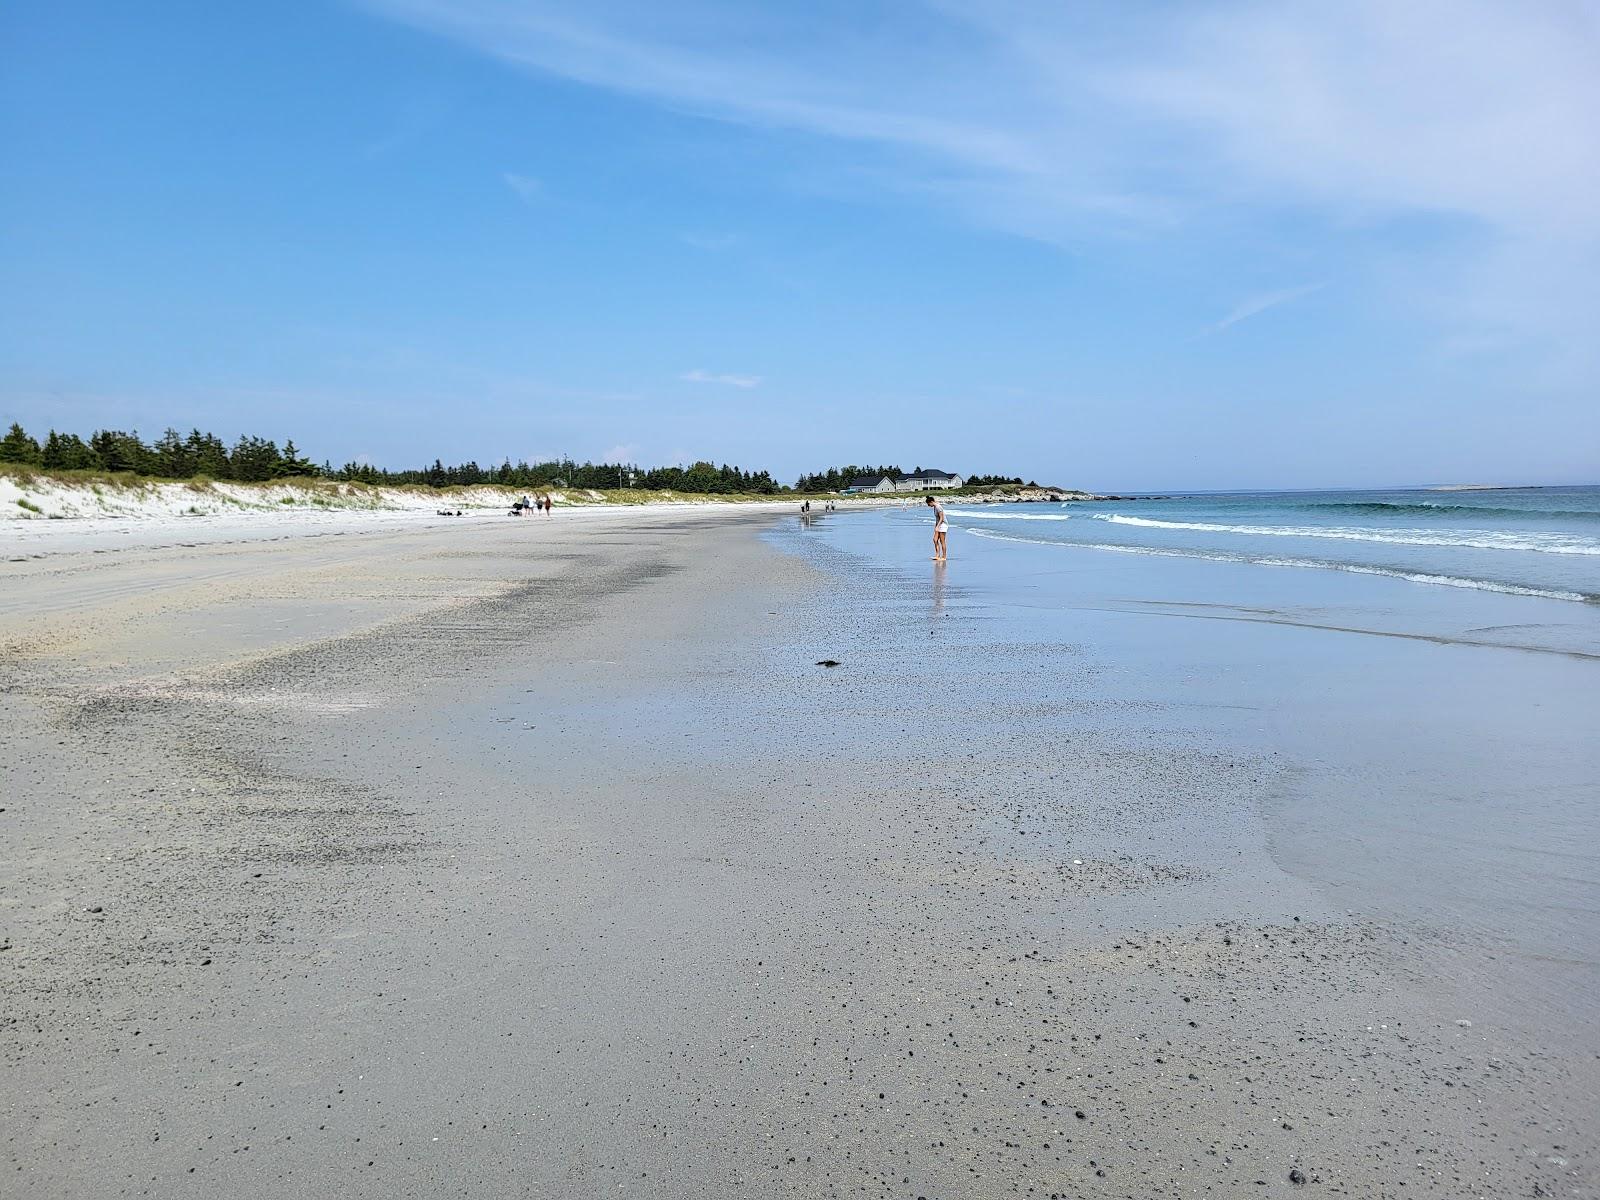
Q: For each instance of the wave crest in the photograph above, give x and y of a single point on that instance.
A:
(1478, 539)
(1273, 560)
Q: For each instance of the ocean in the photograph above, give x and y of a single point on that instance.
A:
(1525, 541)
(1414, 677)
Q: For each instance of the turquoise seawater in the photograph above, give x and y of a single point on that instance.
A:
(1526, 541)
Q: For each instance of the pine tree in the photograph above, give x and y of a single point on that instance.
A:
(67, 452)
(209, 455)
(172, 456)
(119, 451)
(292, 463)
(18, 447)
(254, 460)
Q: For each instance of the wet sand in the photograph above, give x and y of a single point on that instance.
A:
(541, 859)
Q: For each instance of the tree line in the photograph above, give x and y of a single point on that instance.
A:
(566, 472)
(254, 459)
(171, 456)
(836, 479)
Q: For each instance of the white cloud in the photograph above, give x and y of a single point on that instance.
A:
(527, 188)
(738, 381)
(622, 452)
(1355, 120)
(1476, 108)
(1256, 305)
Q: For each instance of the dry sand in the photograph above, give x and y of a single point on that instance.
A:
(540, 859)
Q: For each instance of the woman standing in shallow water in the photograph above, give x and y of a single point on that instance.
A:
(941, 530)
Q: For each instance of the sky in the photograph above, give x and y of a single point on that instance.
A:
(1106, 245)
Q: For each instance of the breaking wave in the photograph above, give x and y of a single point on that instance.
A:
(1478, 539)
(1009, 516)
(1273, 560)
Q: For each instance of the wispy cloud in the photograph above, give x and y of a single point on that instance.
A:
(622, 452)
(1358, 102)
(527, 188)
(738, 381)
(1257, 305)
(1069, 122)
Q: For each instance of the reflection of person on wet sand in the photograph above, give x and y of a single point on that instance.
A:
(941, 531)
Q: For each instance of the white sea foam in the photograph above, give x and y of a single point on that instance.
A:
(1478, 539)
(1271, 560)
(1009, 516)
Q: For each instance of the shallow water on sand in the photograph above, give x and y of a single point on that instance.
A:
(1439, 763)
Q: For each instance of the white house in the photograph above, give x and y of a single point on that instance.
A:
(917, 481)
(923, 481)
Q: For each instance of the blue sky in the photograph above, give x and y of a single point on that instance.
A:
(1108, 245)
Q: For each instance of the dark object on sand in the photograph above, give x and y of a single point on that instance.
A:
(1296, 1176)
(827, 662)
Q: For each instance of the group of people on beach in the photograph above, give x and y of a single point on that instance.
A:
(543, 503)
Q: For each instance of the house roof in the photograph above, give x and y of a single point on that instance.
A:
(867, 480)
(929, 474)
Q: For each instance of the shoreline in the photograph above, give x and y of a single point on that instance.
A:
(543, 860)
(30, 497)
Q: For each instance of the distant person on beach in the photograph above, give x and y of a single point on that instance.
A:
(941, 531)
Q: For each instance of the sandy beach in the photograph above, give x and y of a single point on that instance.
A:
(540, 858)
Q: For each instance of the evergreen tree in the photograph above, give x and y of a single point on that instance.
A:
(172, 456)
(68, 452)
(700, 477)
(18, 447)
(254, 460)
(292, 464)
(119, 451)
